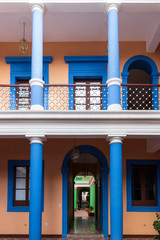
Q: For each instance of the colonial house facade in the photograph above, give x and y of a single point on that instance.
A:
(79, 107)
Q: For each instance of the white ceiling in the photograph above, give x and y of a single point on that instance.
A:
(83, 21)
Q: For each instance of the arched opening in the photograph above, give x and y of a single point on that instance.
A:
(85, 208)
(140, 74)
(85, 193)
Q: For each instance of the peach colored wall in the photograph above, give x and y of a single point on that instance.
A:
(134, 223)
(58, 70)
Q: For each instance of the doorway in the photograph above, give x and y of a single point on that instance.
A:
(91, 164)
(84, 204)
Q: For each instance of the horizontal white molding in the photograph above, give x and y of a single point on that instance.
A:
(84, 124)
(81, 1)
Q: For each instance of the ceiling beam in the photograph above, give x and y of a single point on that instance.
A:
(154, 38)
(153, 145)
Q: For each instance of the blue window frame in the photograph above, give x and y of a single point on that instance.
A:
(20, 69)
(87, 67)
(130, 206)
(11, 178)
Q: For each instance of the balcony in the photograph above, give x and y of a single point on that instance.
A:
(80, 97)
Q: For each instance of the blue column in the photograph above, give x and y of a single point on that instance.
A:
(35, 214)
(36, 81)
(114, 81)
(116, 197)
(65, 202)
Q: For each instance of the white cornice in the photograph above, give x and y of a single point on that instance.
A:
(68, 124)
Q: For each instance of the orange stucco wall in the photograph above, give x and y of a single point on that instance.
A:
(17, 223)
(58, 70)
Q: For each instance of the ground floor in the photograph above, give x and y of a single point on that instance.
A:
(65, 211)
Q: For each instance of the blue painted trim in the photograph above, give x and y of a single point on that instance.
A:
(101, 204)
(46, 59)
(87, 149)
(75, 59)
(65, 168)
(10, 197)
(64, 202)
(131, 208)
(87, 67)
(20, 68)
(105, 202)
(148, 65)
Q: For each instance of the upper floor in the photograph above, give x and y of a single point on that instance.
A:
(76, 60)
(75, 77)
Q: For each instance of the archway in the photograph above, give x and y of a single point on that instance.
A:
(140, 72)
(103, 181)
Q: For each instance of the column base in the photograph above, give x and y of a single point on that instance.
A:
(114, 107)
(36, 108)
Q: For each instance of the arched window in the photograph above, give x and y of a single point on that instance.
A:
(139, 77)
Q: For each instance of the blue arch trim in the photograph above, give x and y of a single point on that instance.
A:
(104, 198)
(142, 62)
(88, 150)
(148, 65)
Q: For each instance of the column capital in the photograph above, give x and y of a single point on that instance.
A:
(115, 5)
(36, 81)
(40, 6)
(116, 138)
(114, 81)
(36, 138)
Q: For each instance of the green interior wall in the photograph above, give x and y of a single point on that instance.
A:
(75, 198)
(92, 197)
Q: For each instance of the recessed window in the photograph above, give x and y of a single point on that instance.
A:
(20, 72)
(144, 185)
(143, 179)
(19, 186)
(22, 186)
(88, 97)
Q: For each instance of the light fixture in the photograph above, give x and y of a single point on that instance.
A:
(85, 172)
(23, 45)
(75, 153)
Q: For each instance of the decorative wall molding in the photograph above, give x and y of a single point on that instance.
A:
(68, 124)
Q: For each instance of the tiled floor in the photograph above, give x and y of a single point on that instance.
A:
(84, 224)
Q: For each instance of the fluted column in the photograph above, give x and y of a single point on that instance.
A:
(36, 81)
(114, 81)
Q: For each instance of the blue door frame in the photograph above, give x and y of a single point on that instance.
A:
(86, 149)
